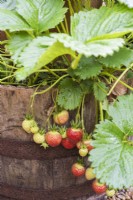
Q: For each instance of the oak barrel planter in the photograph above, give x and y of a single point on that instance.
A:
(27, 170)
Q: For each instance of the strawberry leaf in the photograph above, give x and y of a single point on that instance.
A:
(100, 91)
(17, 43)
(42, 15)
(10, 20)
(41, 51)
(91, 36)
(121, 112)
(114, 22)
(123, 57)
(70, 94)
(112, 156)
(93, 48)
(8, 4)
(87, 68)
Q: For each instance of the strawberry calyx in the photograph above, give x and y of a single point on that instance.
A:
(62, 131)
(53, 128)
(76, 124)
(44, 145)
(41, 131)
(80, 161)
(29, 117)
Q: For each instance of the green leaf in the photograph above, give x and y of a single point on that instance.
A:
(103, 23)
(111, 158)
(95, 48)
(10, 20)
(122, 113)
(123, 57)
(96, 32)
(17, 43)
(87, 68)
(100, 91)
(29, 12)
(70, 94)
(40, 52)
(129, 3)
(51, 14)
(42, 15)
(8, 4)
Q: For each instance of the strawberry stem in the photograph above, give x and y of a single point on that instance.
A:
(82, 113)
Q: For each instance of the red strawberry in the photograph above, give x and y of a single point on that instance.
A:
(99, 188)
(87, 143)
(75, 134)
(67, 143)
(78, 169)
(61, 117)
(53, 138)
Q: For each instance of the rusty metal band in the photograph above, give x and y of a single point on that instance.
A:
(75, 191)
(32, 151)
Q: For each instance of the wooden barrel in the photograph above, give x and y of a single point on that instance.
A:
(27, 170)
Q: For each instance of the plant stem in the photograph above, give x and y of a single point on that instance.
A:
(63, 28)
(70, 8)
(123, 83)
(75, 62)
(6, 78)
(53, 70)
(118, 80)
(66, 24)
(49, 88)
(82, 112)
(101, 111)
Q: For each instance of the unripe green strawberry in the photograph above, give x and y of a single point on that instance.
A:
(110, 193)
(38, 138)
(83, 152)
(34, 129)
(89, 174)
(27, 124)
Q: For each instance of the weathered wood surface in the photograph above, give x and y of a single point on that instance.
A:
(96, 3)
(14, 104)
(24, 165)
(95, 197)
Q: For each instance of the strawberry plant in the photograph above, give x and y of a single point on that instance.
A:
(91, 54)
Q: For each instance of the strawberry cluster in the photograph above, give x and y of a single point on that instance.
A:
(69, 138)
